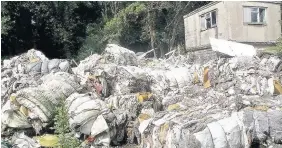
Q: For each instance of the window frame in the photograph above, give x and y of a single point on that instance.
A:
(258, 15)
(208, 15)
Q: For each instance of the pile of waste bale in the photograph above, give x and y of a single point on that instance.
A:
(120, 99)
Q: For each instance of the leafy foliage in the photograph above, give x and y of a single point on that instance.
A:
(76, 29)
(56, 28)
(66, 139)
(276, 49)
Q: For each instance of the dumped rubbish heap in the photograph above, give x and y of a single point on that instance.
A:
(121, 99)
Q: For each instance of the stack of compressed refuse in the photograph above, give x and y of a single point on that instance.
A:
(240, 129)
(34, 106)
(116, 98)
(90, 116)
(119, 55)
(35, 61)
(212, 91)
(126, 94)
(106, 66)
(24, 71)
(113, 54)
(200, 115)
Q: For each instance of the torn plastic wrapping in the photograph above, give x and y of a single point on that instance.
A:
(235, 131)
(40, 101)
(158, 103)
(20, 140)
(91, 116)
(119, 55)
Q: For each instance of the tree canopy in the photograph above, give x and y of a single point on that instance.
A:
(76, 29)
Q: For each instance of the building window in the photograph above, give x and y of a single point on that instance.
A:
(255, 15)
(208, 20)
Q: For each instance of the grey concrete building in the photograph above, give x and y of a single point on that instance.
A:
(251, 22)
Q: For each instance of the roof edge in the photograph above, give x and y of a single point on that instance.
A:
(201, 8)
(272, 2)
(216, 2)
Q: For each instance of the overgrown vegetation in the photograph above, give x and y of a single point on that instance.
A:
(62, 128)
(77, 29)
(276, 49)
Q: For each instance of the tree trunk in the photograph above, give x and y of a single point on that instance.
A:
(151, 15)
(171, 44)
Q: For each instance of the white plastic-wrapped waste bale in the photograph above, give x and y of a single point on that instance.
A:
(38, 103)
(134, 104)
(31, 55)
(87, 64)
(24, 70)
(159, 82)
(20, 140)
(163, 131)
(172, 79)
(91, 116)
(241, 129)
(47, 66)
(124, 102)
(179, 77)
(271, 64)
(119, 55)
(113, 54)
(130, 79)
(83, 109)
(12, 117)
(34, 61)
(12, 83)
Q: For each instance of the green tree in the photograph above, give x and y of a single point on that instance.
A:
(67, 29)
(56, 28)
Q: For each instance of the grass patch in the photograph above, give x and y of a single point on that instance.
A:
(277, 50)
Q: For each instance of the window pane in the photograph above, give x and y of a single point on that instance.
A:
(213, 18)
(254, 9)
(254, 17)
(247, 15)
(262, 15)
(208, 23)
(208, 15)
(203, 23)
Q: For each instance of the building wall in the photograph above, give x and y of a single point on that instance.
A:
(253, 33)
(194, 36)
(230, 24)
